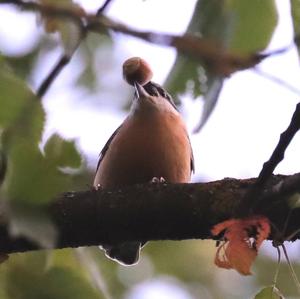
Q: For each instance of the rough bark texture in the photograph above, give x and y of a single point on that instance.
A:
(159, 212)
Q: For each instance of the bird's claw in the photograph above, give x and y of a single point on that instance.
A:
(156, 180)
(98, 187)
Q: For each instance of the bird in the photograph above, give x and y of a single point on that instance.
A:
(151, 145)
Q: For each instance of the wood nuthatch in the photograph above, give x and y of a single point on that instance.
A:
(152, 142)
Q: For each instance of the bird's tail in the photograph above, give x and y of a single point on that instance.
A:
(125, 253)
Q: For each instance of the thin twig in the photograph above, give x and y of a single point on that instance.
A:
(216, 58)
(64, 60)
(50, 10)
(74, 15)
(103, 7)
(278, 154)
(254, 194)
(52, 75)
(278, 266)
(277, 80)
(293, 273)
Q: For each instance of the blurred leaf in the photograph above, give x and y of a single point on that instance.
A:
(251, 24)
(183, 72)
(31, 177)
(32, 222)
(69, 31)
(295, 9)
(229, 23)
(22, 65)
(67, 259)
(36, 261)
(93, 47)
(71, 36)
(270, 292)
(62, 152)
(87, 77)
(24, 282)
(211, 99)
(14, 97)
(208, 21)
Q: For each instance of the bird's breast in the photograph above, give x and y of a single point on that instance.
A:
(147, 147)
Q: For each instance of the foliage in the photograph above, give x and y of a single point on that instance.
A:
(32, 176)
(295, 9)
(270, 292)
(34, 172)
(230, 23)
(29, 277)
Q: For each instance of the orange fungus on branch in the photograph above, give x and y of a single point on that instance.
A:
(242, 239)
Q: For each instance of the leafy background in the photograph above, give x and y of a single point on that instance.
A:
(41, 163)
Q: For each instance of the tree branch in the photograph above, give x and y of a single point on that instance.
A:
(278, 154)
(210, 52)
(103, 7)
(253, 196)
(52, 75)
(277, 80)
(157, 212)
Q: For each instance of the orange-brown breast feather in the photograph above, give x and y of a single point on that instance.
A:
(145, 148)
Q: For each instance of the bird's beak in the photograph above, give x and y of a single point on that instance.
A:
(140, 91)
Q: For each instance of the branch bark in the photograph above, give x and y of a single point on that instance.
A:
(159, 212)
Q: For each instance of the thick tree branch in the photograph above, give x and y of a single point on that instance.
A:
(158, 212)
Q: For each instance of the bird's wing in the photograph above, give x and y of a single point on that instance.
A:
(155, 89)
(106, 146)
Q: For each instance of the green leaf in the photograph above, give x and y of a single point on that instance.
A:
(251, 24)
(31, 177)
(240, 26)
(69, 31)
(295, 9)
(270, 292)
(207, 22)
(183, 72)
(32, 222)
(211, 99)
(24, 282)
(63, 153)
(14, 97)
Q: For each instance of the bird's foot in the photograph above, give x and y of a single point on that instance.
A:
(156, 180)
(98, 187)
